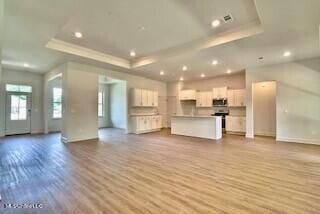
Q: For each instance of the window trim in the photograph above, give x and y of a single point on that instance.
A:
(53, 102)
(102, 104)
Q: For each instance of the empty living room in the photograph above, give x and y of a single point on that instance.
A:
(159, 106)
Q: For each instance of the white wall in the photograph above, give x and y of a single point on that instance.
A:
(297, 102)
(80, 114)
(2, 105)
(25, 78)
(117, 106)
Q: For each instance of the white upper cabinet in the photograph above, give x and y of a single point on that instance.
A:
(155, 99)
(187, 95)
(144, 98)
(136, 97)
(204, 99)
(150, 98)
(220, 93)
(236, 98)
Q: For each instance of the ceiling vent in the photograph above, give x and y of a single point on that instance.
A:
(228, 18)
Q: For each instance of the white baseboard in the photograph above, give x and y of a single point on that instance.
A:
(147, 131)
(75, 139)
(297, 140)
(249, 136)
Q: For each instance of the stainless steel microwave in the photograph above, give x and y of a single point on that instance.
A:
(220, 102)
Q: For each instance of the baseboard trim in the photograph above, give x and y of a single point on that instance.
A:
(64, 139)
(297, 140)
(237, 133)
(72, 140)
(249, 136)
(147, 131)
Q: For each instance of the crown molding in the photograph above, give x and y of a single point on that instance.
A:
(66, 47)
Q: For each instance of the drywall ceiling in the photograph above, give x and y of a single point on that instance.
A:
(164, 34)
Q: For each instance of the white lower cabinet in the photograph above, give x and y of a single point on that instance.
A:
(235, 124)
(144, 124)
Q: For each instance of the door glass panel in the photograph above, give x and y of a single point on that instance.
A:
(57, 110)
(18, 107)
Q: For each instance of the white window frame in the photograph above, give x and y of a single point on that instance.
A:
(101, 114)
(55, 102)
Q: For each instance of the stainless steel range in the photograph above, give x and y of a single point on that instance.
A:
(222, 112)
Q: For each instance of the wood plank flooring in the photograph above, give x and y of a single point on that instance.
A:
(159, 173)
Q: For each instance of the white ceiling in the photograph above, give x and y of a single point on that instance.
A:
(171, 27)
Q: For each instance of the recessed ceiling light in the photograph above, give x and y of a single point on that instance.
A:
(203, 75)
(132, 53)
(287, 53)
(215, 23)
(161, 72)
(228, 71)
(142, 28)
(25, 65)
(214, 62)
(181, 78)
(78, 34)
(184, 68)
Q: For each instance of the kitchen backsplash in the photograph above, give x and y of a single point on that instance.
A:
(187, 106)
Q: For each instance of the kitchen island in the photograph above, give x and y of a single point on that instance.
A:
(209, 127)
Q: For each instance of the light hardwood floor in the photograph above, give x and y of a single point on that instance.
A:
(159, 173)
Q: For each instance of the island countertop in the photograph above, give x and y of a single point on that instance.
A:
(202, 126)
(195, 116)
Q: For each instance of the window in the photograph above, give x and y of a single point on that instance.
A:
(18, 88)
(18, 107)
(57, 102)
(101, 104)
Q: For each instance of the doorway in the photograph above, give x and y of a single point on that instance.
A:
(264, 108)
(18, 109)
(112, 103)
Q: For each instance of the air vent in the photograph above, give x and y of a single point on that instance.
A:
(228, 18)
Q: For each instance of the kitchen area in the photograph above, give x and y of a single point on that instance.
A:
(208, 108)
(201, 108)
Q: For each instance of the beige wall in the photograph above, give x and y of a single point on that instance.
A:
(297, 102)
(80, 114)
(2, 97)
(264, 108)
(2, 104)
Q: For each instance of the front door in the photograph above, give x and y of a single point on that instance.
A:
(18, 112)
